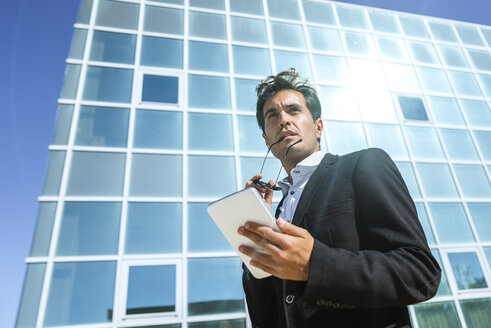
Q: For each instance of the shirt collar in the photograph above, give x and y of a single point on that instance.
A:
(302, 171)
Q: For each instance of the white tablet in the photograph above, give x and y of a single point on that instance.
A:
(233, 211)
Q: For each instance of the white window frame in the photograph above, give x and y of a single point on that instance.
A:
(138, 90)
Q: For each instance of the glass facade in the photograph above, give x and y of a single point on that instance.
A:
(156, 118)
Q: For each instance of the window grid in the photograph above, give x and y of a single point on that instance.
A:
(237, 153)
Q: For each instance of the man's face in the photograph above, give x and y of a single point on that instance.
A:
(286, 114)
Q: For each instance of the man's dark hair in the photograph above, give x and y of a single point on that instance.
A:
(285, 80)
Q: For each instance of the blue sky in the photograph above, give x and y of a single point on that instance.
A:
(37, 37)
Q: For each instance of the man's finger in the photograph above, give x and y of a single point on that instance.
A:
(268, 195)
(289, 229)
(259, 239)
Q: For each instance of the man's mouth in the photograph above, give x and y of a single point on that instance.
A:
(287, 133)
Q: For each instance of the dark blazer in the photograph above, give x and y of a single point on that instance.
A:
(370, 257)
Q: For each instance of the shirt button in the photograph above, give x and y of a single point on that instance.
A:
(292, 192)
(289, 299)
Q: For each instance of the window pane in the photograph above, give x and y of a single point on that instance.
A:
(283, 9)
(391, 48)
(480, 59)
(423, 53)
(89, 229)
(155, 175)
(367, 74)
(344, 137)
(174, 2)
(248, 30)
(401, 77)
(249, 134)
(351, 17)
(358, 43)
(331, 69)
(469, 35)
(318, 12)
(444, 288)
(414, 27)
(81, 293)
(476, 312)
(442, 32)
(160, 89)
(338, 103)
(215, 286)
(451, 223)
(203, 233)
(481, 216)
(254, 7)
(207, 56)
(245, 94)
(477, 112)
(324, 39)
(446, 111)
(153, 228)
(44, 227)
(31, 295)
(459, 144)
(434, 80)
(424, 143)
(251, 166)
(423, 218)
(157, 52)
(298, 60)
(389, 138)
(157, 129)
(382, 22)
(464, 84)
(164, 20)
(251, 61)
(117, 14)
(436, 180)
(70, 81)
(202, 135)
(205, 171)
(102, 126)
(407, 173)
(113, 47)
(467, 270)
(238, 323)
(453, 56)
(210, 4)
(287, 35)
(441, 314)
(484, 141)
(376, 106)
(413, 108)
(208, 92)
(108, 84)
(78, 43)
(96, 174)
(487, 35)
(207, 25)
(84, 11)
(62, 124)
(53, 173)
(485, 83)
(473, 181)
(151, 289)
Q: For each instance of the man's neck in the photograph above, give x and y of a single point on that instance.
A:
(292, 161)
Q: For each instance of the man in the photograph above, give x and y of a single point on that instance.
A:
(352, 252)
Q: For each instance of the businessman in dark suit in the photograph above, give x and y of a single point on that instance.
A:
(352, 252)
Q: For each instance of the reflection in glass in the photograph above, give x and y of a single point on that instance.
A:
(81, 293)
(70, 81)
(84, 11)
(351, 17)
(164, 20)
(78, 44)
(425, 223)
(31, 295)
(487, 35)
(251, 61)
(160, 89)
(477, 112)
(318, 12)
(245, 94)
(254, 7)
(96, 174)
(298, 60)
(423, 53)
(376, 106)
(484, 142)
(204, 172)
(89, 228)
(155, 52)
(453, 56)
(207, 25)
(444, 288)
(151, 289)
(53, 173)
(480, 59)
(44, 227)
(459, 145)
(206, 56)
(467, 270)
(324, 39)
(237, 323)
(485, 83)
(382, 22)
(389, 138)
(473, 181)
(287, 35)
(108, 84)
(436, 180)
(117, 14)
(248, 30)
(424, 143)
(338, 103)
(208, 92)
(441, 314)
(434, 80)
(391, 48)
(358, 43)
(102, 126)
(203, 233)
(414, 27)
(331, 68)
(63, 123)
(286, 9)
(442, 32)
(469, 35)
(157, 129)
(451, 223)
(345, 137)
(464, 84)
(210, 4)
(401, 77)
(156, 175)
(113, 47)
(249, 135)
(407, 173)
(481, 216)
(476, 312)
(215, 286)
(153, 228)
(445, 111)
(210, 132)
(413, 108)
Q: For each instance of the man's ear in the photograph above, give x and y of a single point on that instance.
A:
(318, 128)
(266, 141)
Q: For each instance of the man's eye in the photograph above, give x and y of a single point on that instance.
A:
(272, 115)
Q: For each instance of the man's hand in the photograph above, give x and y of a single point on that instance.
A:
(267, 193)
(286, 255)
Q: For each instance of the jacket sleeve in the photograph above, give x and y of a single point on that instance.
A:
(394, 266)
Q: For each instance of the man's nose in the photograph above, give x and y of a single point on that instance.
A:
(285, 119)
